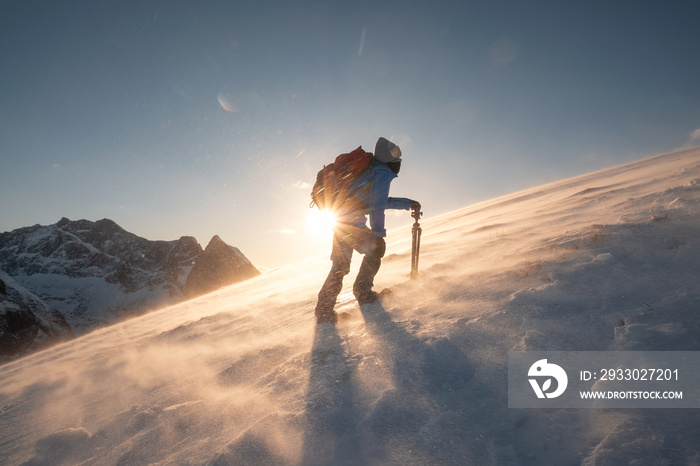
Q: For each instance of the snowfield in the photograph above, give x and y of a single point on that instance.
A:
(605, 261)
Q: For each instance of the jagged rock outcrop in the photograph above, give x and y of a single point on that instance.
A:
(96, 273)
(26, 323)
(218, 266)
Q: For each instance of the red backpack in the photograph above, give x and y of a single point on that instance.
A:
(332, 182)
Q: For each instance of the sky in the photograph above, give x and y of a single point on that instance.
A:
(178, 118)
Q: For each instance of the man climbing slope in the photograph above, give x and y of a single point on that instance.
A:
(368, 195)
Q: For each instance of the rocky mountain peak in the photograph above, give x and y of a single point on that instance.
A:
(95, 273)
(218, 266)
(216, 243)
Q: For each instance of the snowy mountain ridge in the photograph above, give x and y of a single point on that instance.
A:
(606, 261)
(96, 273)
(26, 323)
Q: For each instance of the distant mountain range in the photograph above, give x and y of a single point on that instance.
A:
(74, 276)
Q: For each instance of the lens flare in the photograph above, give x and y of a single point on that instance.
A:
(321, 222)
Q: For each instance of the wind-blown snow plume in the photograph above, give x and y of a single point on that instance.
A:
(694, 137)
(604, 261)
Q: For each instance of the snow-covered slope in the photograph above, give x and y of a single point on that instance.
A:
(605, 261)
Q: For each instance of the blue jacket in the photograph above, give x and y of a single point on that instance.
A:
(371, 190)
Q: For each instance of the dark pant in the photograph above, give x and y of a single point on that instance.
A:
(347, 239)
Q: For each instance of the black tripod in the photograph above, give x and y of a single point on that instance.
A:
(415, 243)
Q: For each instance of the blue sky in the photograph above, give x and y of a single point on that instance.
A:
(199, 118)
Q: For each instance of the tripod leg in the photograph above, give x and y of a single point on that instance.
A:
(418, 233)
(415, 247)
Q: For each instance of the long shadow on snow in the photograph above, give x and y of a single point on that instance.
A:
(435, 412)
(331, 413)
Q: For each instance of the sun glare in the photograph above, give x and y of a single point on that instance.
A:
(321, 222)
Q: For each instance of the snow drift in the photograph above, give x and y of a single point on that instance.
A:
(604, 261)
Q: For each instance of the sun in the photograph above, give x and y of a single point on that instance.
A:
(321, 222)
